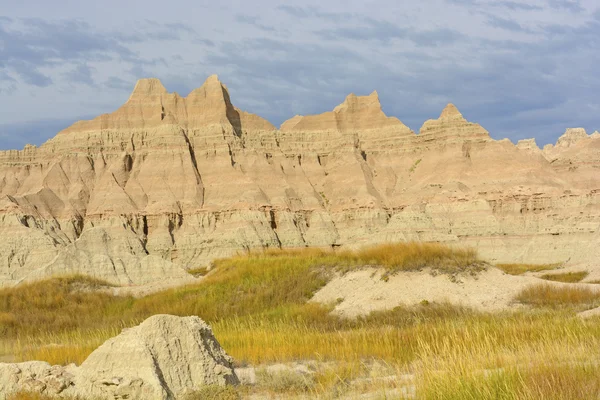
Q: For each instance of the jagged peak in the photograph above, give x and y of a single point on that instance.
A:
(147, 87)
(571, 136)
(450, 112)
(354, 102)
(595, 135)
(212, 78)
(528, 144)
(212, 87)
(290, 123)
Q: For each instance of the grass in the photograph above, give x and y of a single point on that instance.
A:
(414, 166)
(200, 271)
(546, 295)
(567, 277)
(519, 269)
(537, 380)
(258, 307)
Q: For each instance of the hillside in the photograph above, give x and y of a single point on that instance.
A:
(167, 183)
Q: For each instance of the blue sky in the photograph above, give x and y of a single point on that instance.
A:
(520, 68)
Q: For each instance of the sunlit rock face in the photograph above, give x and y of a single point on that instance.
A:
(168, 183)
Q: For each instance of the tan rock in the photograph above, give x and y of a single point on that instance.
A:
(165, 357)
(571, 137)
(36, 377)
(529, 145)
(167, 183)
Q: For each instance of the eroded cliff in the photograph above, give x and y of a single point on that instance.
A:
(167, 183)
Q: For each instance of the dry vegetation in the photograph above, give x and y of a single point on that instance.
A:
(567, 277)
(545, 295)
(257, 305)
(520, 269)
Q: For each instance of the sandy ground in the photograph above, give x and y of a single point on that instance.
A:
(363, 291)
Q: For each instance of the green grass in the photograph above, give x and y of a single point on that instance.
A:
(567, 277)
(519, 269)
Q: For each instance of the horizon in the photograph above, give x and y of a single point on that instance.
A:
(519, 69)
(414, 130)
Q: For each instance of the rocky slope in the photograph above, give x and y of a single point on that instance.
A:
(168, 183)
(164, 358)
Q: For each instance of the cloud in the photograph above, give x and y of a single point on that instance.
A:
(517, 67)
(573, 6)
(314, 12)
(114, 82)
(8, 84)
(384, 31)
(82, 74)
(516, 6)
(507, 24)
(32, 44)
(253, 21)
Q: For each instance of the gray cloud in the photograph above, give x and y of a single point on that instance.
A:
(114, 82)
(82, 74)
(504, 23)
(570, 5)
(253, 21)
(314, 12)
(384, 31)
(515, 6)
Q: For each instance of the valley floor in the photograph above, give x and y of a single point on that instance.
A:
(264, 311)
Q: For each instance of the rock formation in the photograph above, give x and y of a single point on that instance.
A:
(35, 377)
(168, 183)
(164, 358)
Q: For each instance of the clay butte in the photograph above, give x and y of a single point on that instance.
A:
(166, 183)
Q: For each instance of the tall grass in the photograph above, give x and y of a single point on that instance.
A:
(58, 305)
(546, 295)
(258, 307)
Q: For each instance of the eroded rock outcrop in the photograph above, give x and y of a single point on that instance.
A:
(35, 377)
(164, 358)
(169, 183)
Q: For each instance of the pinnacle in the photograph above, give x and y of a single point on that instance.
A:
(450, 111)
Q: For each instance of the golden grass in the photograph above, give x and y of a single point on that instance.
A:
(58, 305)
(546, 295)
(567, 277)
(519, 269)
(536, 381)
(258, 307)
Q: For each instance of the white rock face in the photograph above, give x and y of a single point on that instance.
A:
(164, 358)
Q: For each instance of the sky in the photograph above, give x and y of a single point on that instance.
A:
(520, 68)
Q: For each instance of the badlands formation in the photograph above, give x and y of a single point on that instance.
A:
(166, 184)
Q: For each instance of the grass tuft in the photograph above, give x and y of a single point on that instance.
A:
(519, 269)
(567, 277)
(545, 295)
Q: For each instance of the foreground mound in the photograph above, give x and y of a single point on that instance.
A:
(165, 357)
